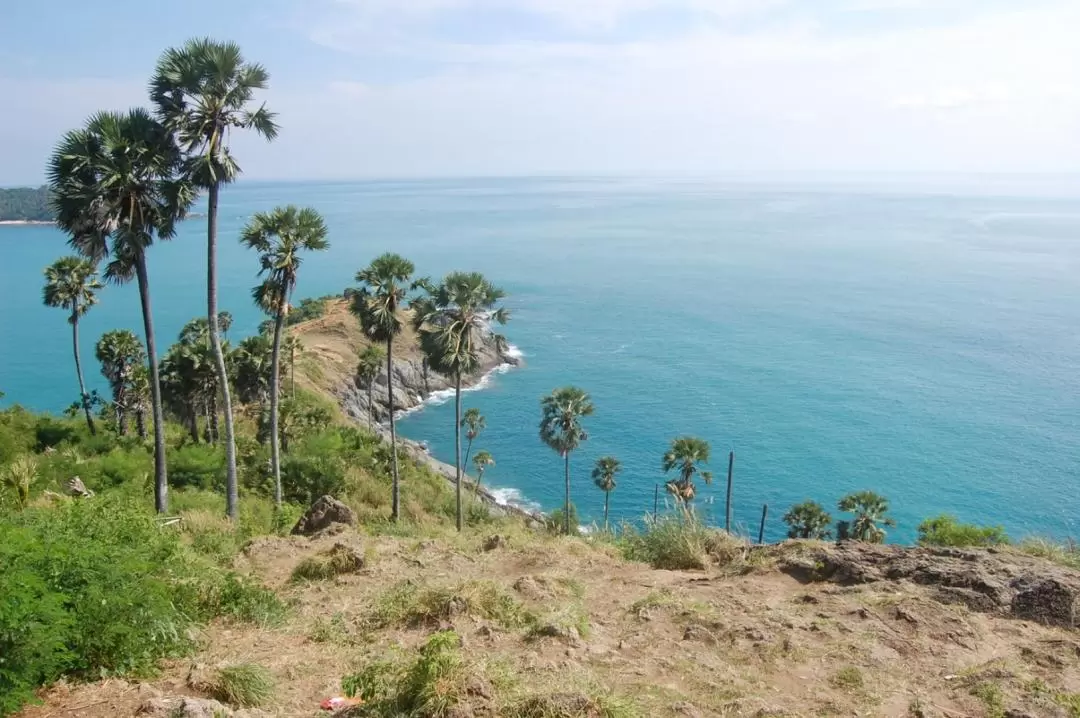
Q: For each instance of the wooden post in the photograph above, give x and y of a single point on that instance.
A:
(656, 501)
(761, 533)
(727, 513)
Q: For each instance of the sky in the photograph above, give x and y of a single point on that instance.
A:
(391, 88)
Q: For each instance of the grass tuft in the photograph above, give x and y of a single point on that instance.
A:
(245, 685)
(408, 604)
(334, 562)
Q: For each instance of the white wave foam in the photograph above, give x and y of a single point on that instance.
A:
(514, 352)
(444, 395)
(513, 497)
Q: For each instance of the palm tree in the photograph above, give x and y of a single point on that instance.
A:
(454, 319)
(685, 454)
(870, 509)
(481, 461)
(140, 397)
(203, 91)
(367, 371)
(474, 424)
(808, 520)
(19, 476)
(114, 188)
(251, 369)
(293, 346)
(71, 283)
(120, 353)
(280, 237)
(604, 477)
(561, 429)
(377, 303)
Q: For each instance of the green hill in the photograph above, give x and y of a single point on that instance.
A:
(25, 204)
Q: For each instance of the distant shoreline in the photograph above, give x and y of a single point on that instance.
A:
(26, 223)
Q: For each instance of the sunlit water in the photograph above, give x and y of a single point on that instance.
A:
(921, 344)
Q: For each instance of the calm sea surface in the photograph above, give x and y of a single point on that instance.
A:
(923, 344)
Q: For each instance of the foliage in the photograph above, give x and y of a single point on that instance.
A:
(407, 604)
(685, 455)
(1064, 554)
(808, 520)
(197, 466)
(25, 204)
(870, 509)
(946, 530)
(68, 611)
(338, 560)
(557, 521)
(561, 429)
(244, 685)
(667, 543)
(18, 478)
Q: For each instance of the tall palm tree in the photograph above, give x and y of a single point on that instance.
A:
(481, 461)
(120, 353)
(280, 237)
(603, 476)
(808, 520)
(474, 424)
(685, 455)
(114, 188)
(367, 371)
(870, 509)
(71, 283)
(203, 91)
(561, 429)
(377, 303)
(454, 319)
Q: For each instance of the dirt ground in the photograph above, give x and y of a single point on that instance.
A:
(696, 643)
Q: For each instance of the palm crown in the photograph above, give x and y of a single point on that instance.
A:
(114, 182)
(384, 284)
(453, 319)
(280, 236)
(685, 454)
(870, 509)
(71, 283)
(370, 364)
(560, 425)
(604, 472)
(473, 422)
(202, 92)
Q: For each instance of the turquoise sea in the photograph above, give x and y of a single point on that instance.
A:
(918, 340)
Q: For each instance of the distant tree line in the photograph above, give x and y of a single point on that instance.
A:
(25, 204)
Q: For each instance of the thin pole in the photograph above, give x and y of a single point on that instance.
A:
(764, 514)
(656, 500)
(730, 469)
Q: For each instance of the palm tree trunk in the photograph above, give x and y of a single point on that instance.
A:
(465, 463)
(161, 472)
(292, 371)
(193, 425)
(607, 500)
(78, 368)
(479, 478)
(457, 447)
(140, 422)
(395, 511)
(566, 504)
(212, 410)
(275, 392)
(232, 498)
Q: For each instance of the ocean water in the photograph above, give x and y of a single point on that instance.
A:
(918, 340)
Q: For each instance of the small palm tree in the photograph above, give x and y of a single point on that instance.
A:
(367, 371)
(204, 91)
(481, 461)
(139, 398)
(454, 319)
(474, 424)
(870, 509)
(685, 455)
(281, 237)
(377, 304)
(808, 520)
(251, 369)
(19, 477)
(603, 475)
(561, 429)
(114, 188)
(120, 353)
(71, 283)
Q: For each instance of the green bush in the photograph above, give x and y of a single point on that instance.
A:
(97, 588)
(246, 685)
(668, 543)
(306, 477)
(556, 524)
(197, 466)
(946, 530)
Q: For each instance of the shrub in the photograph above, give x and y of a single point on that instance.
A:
(305, 477)
(246, 685)
(555, 523)
(336, 561)
(197, 466)
(946, 530)
(667, 543)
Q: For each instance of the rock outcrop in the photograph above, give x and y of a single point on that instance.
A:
(985, 580)
(323, 514)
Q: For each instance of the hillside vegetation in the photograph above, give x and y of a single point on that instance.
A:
(25, 204)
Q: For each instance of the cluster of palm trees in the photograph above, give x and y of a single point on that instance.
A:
(453, 319)
(810, 520)
(125, 179)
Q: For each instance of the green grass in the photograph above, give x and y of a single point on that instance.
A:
(412, 605)
(849, 678)
(328, 564)
(992, 698)
(1067, 554)
(245, 685)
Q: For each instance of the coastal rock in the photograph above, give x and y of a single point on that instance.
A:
(187, 707)
(984, 580)
(322, 514)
